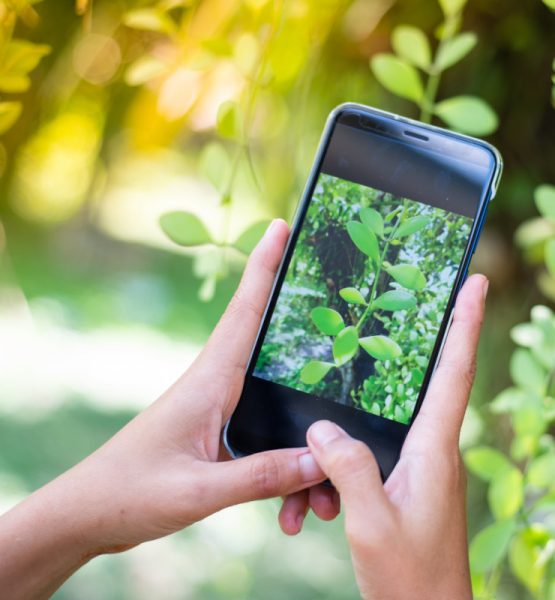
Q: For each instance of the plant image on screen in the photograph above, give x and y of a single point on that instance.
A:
(363, 299)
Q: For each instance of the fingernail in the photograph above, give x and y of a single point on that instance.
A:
(485, 287)
(270, 227)
(310, 471)
(323, 432)
(299, 521)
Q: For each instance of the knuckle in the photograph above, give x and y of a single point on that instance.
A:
(265, 476)
(241, 305)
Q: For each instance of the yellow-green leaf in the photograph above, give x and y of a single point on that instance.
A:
(541, 472)
(489, 546)
(352, 295)
(550, 257)
(408, 276)
(345, 345)
(455, 49)
(381, 347)
(544, 196)
(412, 225)
(468, 114)
(364, 239)
(246, 242)
(395, 300)
(525, 557)
(486, 462)
(412, 44)
(9, 113)
(144, 69)
(327, 320)
(149, 19)
(506, 493)
(452, 7)
(373, 220)
(314, 371)
(228, 121)
(398, 76)
(185, 229)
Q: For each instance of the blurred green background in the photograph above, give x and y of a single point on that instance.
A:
(115, 112)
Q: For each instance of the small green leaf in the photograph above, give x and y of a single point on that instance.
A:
(408, 276)
(314, 371)
(328, 321)
(526, 371)
(550, 4)
(541, 472)
(468, 114)
(455, 49)
(506, 493)
(509, 400)
(149, 19)
(144, 69)
(373, 220)
(228, 121)
(412, 44)
(489, 546)
(185, 229)
(452, 7)
(550, 257)
(395, 300)
(215, 164)
(412, 225)
(381, 347)
(486, 462)
(398, 76)
(352, 295)
(246, 242)
(345, 345)
(9, 113)
(544, 196)
(364, 239)
(525, 557)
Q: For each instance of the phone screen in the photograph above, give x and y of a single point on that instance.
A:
(379, 248)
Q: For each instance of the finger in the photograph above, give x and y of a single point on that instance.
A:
(352, 468)
(263, 475)
(293, 512)
(232, 340)
(443, 409)
(324, 502)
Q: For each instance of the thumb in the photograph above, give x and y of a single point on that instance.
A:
(353, 470)
(262, 475)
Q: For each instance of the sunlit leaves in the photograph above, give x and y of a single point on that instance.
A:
(246, 242)
(550, 256)
(408, 276)
(352, 295)
(327, 320)
(525, 557)
(149, 19)
(455, 49)
(506, 493)
(9, 113)
(394, 300)
(468, 114)
(215, 165)
(373, 220)
(185, 228)
(314, 371)
(411, 226)
(144, 69)
(411, 44)
(486, 462)
(452, 7)
(526, 371)
(541, 472)
(228, 121)
(381, 347)
(398, 76)
(544, 197)
(364, 239)
(489, 546)
(20, 58)
(345, 345)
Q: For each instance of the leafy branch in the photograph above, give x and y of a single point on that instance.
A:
(367, 234)
(401, 73)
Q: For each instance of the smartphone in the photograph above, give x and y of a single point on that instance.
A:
(362, 301)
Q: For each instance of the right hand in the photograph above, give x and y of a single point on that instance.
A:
(408, 537)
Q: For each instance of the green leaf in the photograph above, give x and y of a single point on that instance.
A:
(381, 347)
(408, 276)
(541, 472)
(373, 220)
(397, 76)
(527, 335)
(144, 69)
(550, 257)
(22, 56)
(228, 121)
(506, 493)
(452, 7)
(485, 462)
(246, 242)
(185, 229)
(489, 546)
(468, 114)
(364, 239)
(345, 345)
(9, 113)
(455, 49)
(328, 321)
(149, 19)
(544, 196)
(314, 371)
(509, 400)
(550, 4)
(526, 371)
(525, 557)
(352, 295)
(412, 44)
(215, 164)
(412, 225)
(394, 300)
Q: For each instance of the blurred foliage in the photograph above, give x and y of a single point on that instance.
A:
(124, 110)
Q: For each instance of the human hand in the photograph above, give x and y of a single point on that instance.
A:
(161, 472)
(408, 537)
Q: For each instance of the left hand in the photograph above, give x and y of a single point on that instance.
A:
(161, 472)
